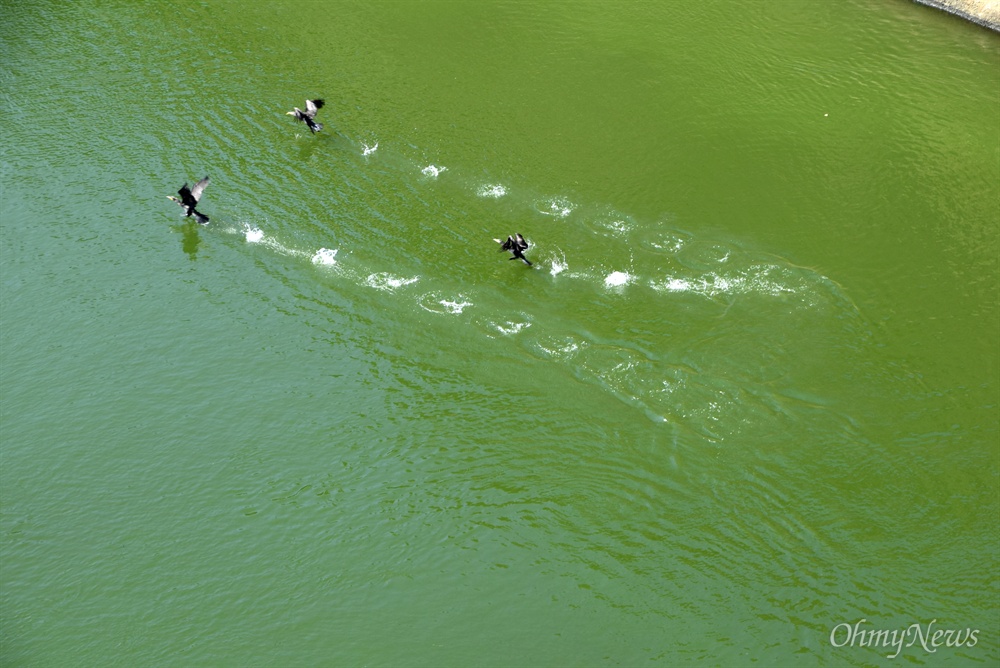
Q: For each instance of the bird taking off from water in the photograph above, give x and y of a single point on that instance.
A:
(307, 116)
(189, 200)
(516, 245)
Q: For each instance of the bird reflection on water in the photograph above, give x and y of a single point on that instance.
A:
(190, 238)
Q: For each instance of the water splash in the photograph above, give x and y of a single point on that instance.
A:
(325, 256)
(668, 242)
(495, 191)
(509, 327)
(435, 303)
(672, 285)
(617, 279)
(559, 265)
(559, 207)
(432, 171)
(556, 346)
(454, 307)
(253, 234)
(368, 150)
(755, 279)
(619, 226)
(611, 223)
(388, 282)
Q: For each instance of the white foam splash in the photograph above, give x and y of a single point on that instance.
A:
(454, 307)
(617, 278)
(495, 191)
(510, 327)
(386, 281)
(252, 234)
(670, 242)
(618, 226)
(559, 265)
(670, 245)
(672, 285)
(432, 171)
(723, 284)
(435, 303)
(560, 208)
(325, 256)
(756, 279)
(559, 346)
(369, 149)
(612, 223)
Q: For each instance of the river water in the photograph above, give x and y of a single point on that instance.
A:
(746, 394)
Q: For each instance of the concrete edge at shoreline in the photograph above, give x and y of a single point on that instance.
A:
(987, 16)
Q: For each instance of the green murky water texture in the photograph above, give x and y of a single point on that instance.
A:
(748, 390)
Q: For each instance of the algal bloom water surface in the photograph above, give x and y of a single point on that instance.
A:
(741, 407)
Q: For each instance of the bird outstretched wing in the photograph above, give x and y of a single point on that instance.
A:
(312, 106)
(197, 190)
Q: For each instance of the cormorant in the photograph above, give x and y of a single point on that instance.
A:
(307, 116)
(516, 245)
(189, 200)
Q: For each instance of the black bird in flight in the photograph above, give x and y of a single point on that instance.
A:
(516, 245)
(307, 116)
(189, 200)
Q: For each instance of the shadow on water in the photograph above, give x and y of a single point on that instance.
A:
(310, 144)
(190, 238)
(308, 148)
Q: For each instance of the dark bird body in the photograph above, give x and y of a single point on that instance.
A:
(189, 200)
(516, 245)
(307, 116)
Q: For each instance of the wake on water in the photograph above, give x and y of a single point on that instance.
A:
(665, 392)
(325, 256)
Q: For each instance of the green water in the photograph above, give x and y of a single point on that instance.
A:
(747, 392)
